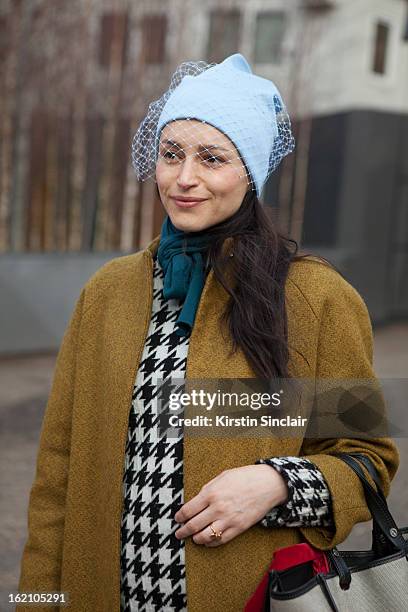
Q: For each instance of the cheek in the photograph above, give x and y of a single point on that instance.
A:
(163, 175)
(230, 191)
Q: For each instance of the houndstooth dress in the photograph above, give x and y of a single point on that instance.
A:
(152, 558)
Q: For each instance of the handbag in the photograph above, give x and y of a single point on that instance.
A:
(375, 580)
(283, 558)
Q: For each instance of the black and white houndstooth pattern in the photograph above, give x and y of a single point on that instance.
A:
(152, 558)
(309, 501)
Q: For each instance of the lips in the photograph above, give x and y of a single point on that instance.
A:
(187, 202)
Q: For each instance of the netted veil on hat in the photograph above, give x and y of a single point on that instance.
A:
(246, 108)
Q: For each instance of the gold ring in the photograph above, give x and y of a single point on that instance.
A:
(215, 534)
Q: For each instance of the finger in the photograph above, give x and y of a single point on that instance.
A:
(191, 508)
(206, 538)
(227, 535)
(196, 524)
(197, 503)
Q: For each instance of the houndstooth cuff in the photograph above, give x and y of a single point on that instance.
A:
(309, 501)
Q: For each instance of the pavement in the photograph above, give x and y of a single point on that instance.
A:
(24, 386)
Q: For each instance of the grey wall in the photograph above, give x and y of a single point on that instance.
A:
(356, 211)
(37, 295)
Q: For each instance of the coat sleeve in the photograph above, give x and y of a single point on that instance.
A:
(42, 555)
(345, 351)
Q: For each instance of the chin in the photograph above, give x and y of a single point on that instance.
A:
(188, 225)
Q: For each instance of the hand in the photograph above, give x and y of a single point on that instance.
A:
(233, 501)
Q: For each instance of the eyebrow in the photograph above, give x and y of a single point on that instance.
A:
(202, 146)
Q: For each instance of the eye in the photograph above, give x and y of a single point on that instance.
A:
(213, 160)
(170, 155)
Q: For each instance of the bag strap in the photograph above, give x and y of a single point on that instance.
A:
(383, 521)
(366, 461)
(379, 542)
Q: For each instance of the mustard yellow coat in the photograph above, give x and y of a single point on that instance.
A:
(75, 506)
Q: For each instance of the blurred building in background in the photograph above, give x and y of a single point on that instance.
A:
(76, 79)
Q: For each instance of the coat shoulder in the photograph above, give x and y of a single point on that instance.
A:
(113, 275)
(319, 285)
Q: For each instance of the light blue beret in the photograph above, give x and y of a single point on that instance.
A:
(245, 107)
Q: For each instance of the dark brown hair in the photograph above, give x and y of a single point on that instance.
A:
(256, 312)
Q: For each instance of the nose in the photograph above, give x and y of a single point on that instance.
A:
(188, 173)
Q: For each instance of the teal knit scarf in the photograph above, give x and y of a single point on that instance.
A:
(180, 256)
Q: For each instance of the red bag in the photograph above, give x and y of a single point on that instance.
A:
(284, 558)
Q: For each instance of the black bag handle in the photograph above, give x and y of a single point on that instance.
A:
(379, 542)
(366, 461)
(384, 524)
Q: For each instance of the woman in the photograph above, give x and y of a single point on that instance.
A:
(124, 517)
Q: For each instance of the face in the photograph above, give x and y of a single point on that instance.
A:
(197, 162)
